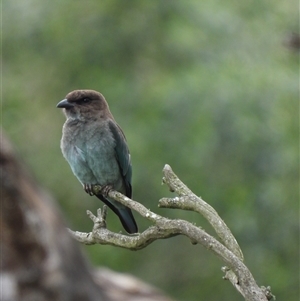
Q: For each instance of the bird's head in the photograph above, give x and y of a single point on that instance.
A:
(85, 105)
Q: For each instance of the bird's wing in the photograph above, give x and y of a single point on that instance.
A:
(122, 155)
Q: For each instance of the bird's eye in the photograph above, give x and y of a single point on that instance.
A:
(86, 99)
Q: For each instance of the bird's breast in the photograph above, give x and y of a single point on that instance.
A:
(90, 151)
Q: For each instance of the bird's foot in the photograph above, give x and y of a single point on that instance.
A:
(106, 189)
(88, 188)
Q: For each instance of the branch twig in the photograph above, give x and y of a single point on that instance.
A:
(229, 252)
(189, 201)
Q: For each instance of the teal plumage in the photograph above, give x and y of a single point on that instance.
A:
(96, 149)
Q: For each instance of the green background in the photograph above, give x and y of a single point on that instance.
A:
(209, 87)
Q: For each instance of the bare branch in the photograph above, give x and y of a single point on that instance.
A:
(189, 201)
(229, 252)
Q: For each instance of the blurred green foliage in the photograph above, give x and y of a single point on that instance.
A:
(205, 86)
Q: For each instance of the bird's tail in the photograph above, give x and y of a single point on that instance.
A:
(125, 215)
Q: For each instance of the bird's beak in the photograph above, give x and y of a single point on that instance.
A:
(65, 104)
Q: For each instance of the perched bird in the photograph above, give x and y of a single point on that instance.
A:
(96, 149)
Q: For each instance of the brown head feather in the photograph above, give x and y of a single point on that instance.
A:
(87, 104)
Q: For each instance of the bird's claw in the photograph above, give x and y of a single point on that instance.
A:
(106, 189)
(88, 188)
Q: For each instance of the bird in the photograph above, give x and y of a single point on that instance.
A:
(96, 149)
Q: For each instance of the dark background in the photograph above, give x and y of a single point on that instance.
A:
(209, 87)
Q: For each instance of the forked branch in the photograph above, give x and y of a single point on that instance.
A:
(227, 249)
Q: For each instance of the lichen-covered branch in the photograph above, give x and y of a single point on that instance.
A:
(227, 250)
(189, 201)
